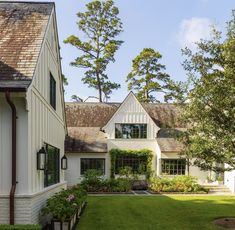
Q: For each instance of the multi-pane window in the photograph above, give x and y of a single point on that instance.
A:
(173, 166)
(136, 163)
(52, 92)
(131, 131)
(52, 172)
(93, 163)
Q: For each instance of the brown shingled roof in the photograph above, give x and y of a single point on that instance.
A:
(89, 114)
(23, 26)
(86, 140)
(85, 120)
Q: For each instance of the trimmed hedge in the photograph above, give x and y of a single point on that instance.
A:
(20, 227)
(146, 153)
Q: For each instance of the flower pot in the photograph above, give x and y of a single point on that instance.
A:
(65, 225)
(79, 212)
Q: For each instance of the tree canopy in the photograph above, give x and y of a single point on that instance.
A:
(101, 25)
(148, 77)
(210, 107)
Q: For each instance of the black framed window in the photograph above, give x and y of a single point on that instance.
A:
(173, 166)
(136, 163)
(131, 131)
(52, 92)
(92, 163)
(52, 172)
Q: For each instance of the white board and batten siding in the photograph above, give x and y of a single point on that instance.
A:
(131, 112)
(46, 125)
(38, 123)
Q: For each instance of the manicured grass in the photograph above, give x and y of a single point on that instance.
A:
(155, 212)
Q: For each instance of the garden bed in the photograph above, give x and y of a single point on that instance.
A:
(114, 193)
(178, 193)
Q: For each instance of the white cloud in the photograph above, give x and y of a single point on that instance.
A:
(192, 30)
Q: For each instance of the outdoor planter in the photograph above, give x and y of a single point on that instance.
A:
(65, 225)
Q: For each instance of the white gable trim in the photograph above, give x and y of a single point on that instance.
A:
(123, 103)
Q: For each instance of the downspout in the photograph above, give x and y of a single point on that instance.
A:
(13, 166)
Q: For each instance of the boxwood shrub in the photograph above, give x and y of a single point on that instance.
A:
(20, 227)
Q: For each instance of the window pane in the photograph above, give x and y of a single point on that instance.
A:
(136, 163)
(52, 91)
(52, 171)
(129, 131)
(92, 163)
(173, 166)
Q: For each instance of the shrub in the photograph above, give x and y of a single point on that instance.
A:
(177, 184)
(93, 182)
(64, 204)
(20, 227)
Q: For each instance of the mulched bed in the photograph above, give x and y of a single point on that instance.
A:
(175, 193)
(225, 222)
(103, 193)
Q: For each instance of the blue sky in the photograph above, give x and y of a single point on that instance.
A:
(166, 25)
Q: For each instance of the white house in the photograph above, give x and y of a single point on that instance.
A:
(31, 110)
(96, 128)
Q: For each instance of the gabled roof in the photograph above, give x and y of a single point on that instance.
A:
(22, 30)
(85, 121)
(89, 114)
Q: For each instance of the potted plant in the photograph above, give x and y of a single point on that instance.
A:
(64, 207)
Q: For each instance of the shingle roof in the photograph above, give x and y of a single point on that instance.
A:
(86, 140)
(23, 26)
(85, 120)
(98, 114)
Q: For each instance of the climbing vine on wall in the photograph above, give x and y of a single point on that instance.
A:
(144, 154)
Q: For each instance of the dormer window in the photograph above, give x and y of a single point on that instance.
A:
(52, 92)
(131, 131)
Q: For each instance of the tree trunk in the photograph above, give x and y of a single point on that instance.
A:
(99, 87)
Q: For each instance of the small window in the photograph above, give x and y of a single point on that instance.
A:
(52, 172)
(52, 92)
(173, 166)
(131, 131)
(92, 163)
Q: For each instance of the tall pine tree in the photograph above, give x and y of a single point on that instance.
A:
(101, 25)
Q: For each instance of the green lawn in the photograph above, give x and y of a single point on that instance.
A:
(155, 212)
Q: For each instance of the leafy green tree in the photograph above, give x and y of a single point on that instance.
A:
(101, 25)
(210, 108)
(147, 77)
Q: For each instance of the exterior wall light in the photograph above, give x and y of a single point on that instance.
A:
(64, 163)
(41, 159)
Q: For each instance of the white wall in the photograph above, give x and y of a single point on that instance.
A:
(45, 125)
(73, 175)
(28, 207)
(229, 180)
(6, 145)
(37, 123)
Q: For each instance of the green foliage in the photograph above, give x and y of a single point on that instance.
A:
(147, 77)
(101, 25)
(93, 182)
(76, 98)
(65, 80)
(20, 227)
(146, 153)
(177, 184)
(211, 101)
(65, 204)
